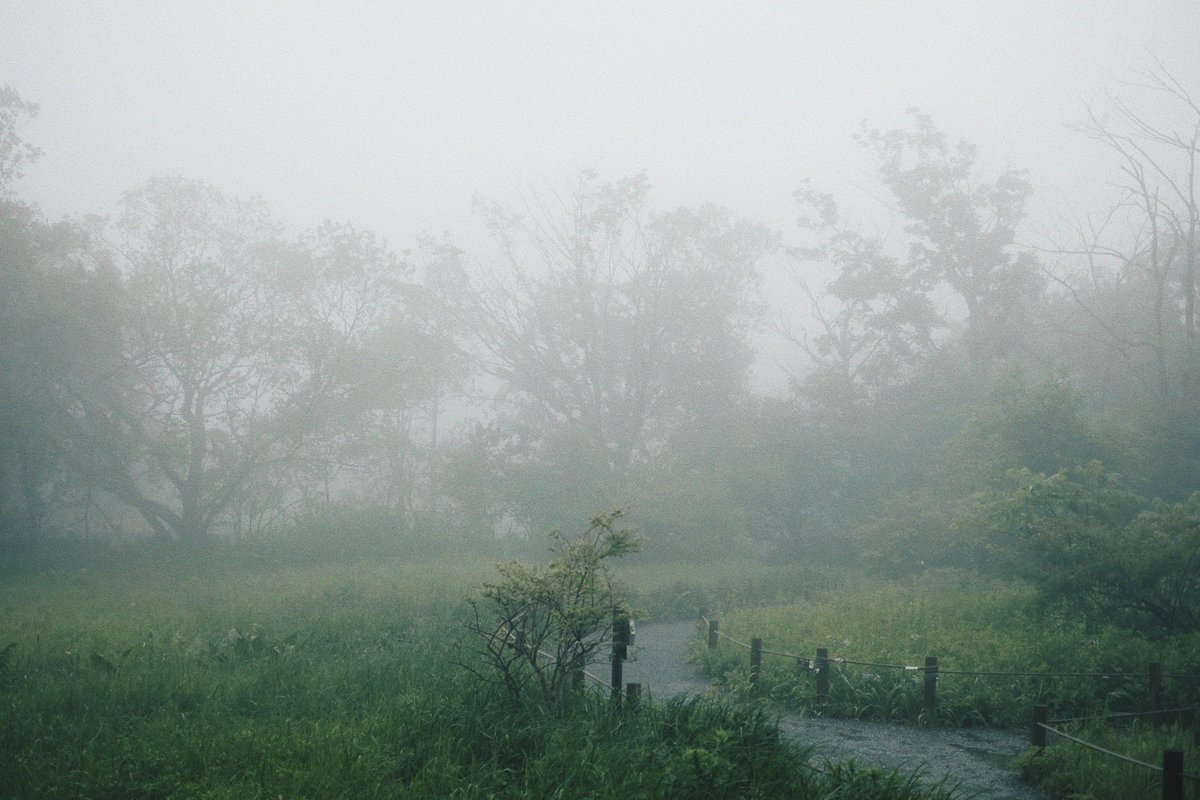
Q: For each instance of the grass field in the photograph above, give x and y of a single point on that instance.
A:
(974, 626)
(173, 680)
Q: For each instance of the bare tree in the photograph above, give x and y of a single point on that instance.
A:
(609, 326)
(1145, 245)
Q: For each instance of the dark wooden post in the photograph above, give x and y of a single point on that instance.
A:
(822, 674)
(633, 696)
(931, 679)
(617, 675)
(620, 639)
(1172, 785)
(1038, 734)
(712, 634)
(1156, 686)
(755, 661)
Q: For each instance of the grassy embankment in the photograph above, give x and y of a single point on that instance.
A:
(343, 681)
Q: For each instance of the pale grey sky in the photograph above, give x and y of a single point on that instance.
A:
(392, 114)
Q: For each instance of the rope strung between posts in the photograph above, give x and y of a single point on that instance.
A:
(942, 671)
(782, 655)
(904, 667)
(1098, 748)
(600, 681)
(1107, 752)
(1018, 674)
(1126, 714)
(746, 645)
(811, 660)
(511, 637)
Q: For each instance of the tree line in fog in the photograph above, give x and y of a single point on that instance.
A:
(183, 369)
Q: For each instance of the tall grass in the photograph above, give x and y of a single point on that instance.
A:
(969, 626)
(1066, 768)
(664, 591)
(335, 681)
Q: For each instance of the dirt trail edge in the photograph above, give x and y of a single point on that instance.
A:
(978, 760)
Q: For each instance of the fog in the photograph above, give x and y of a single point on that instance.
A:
(462, 152)
(366, 369)
(393, 117)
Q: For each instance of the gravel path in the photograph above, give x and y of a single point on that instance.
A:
(979, 760)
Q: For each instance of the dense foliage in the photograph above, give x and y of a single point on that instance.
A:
(539, 628)
(1100, 551)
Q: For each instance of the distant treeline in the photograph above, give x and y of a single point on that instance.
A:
(183, 370)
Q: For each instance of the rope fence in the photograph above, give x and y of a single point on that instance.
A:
(1126, 715)
(1154, 672)
(513, 639)
(1171, 768)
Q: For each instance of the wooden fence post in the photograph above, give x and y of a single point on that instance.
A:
(931, 679)
(822, 674)
(1172, 785)
(633, 696)
(712, 634)
(1156, 686)
(1038, 734)
(620, 632)
(755, 661)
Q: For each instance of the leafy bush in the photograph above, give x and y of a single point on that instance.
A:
(540, 627)
(1100, 551)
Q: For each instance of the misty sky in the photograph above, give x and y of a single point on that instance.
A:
(392, 114)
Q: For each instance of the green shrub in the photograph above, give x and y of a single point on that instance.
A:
(1098, 550)
(538, 627)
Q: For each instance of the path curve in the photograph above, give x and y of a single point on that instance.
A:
(978, 759)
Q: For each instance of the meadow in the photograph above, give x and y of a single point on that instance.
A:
(182, 680)
(972, 625)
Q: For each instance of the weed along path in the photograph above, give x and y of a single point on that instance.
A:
(979, 760)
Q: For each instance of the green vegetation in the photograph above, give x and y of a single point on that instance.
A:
(1070, 770)
(336, 681)
(539, 628)
(668, 591)
(970, 625)
(187, 379)
(1099, 551)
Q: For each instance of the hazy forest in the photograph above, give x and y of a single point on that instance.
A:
(253, 481)
(179, 371)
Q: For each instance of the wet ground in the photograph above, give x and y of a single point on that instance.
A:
(979, 760)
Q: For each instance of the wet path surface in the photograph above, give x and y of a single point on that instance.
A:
(979, 760)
